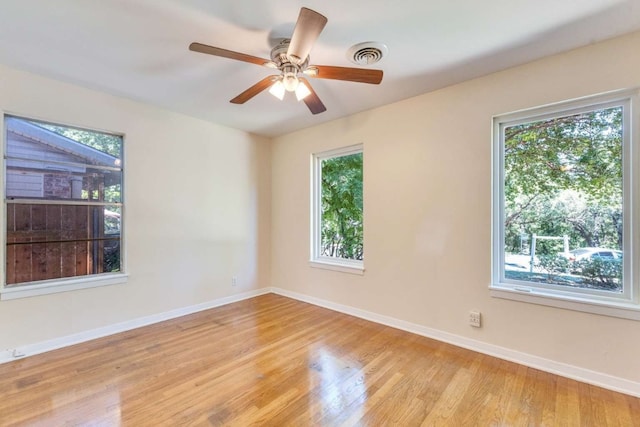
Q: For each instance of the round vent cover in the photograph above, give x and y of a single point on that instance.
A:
(367, 53)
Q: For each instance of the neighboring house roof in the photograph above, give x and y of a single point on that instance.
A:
(56, 141)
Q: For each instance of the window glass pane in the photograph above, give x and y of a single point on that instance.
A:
(82, 146)
(563, 206)
(57, 241)
(66, 163)
(341, 207)
(112, 219)
(103, 142)
(44, 182)
(56, 163)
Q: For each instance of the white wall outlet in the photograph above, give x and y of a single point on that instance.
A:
(474, 319)
(234, 280)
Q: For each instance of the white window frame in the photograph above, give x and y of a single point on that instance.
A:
(331, 263)
(624, 305)
(52, 286)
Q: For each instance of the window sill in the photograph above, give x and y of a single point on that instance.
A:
(55, 286)
(341, 266)
(621, 309)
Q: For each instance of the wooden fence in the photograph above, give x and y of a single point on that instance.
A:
(53, 241)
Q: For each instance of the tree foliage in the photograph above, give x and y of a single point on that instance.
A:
(342, 211)
(564, 176)
(110, 144)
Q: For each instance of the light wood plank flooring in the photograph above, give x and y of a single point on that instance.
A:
(275, 361)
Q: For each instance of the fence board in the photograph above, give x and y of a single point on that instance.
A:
(54, 222)
(10, 269)
(39, 261)
(54, 260)
(51, 223)
(23, 263)
(23, 217)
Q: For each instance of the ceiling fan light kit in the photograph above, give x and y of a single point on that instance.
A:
(277, 90)
(291, 57)
(289, 77)
(302, 92)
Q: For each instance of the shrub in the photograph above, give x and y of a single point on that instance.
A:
(601, 273)
(553, 265)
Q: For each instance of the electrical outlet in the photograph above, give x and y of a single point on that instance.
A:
(474, 319)
(234, 281)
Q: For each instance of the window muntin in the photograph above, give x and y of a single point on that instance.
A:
(563, 173)
(63, 202)
(337, 223)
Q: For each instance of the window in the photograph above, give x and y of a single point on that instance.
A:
(63, 204)
(337, 241)
(563, 205)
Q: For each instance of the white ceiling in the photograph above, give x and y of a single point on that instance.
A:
(139, 48)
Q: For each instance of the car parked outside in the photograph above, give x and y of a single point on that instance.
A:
(591, 253)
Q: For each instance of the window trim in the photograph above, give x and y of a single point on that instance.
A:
(65, 284)
(316, 260)
(52, 286)
(625, 305)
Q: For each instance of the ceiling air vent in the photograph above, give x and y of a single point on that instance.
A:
(367, 53)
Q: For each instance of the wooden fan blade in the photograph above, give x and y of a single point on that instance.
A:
(203, 48)
(360, 75)
(312, 100)
(254, 90)
(308, 27)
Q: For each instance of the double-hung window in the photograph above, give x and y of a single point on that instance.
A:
(337, 210)
(565, 214)
(63, 208)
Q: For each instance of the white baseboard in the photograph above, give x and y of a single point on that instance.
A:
(580, 374)
(56, 343)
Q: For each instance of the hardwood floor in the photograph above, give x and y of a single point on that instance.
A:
(275, 361)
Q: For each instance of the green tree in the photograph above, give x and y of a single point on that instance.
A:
(581, 152)
(342, 207)
(110, 144)
(564, 176)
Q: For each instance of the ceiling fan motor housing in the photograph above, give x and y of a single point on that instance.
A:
(280, 58)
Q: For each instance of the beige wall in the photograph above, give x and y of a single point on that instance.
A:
(197, 211)
(206, 202)
(427, 183)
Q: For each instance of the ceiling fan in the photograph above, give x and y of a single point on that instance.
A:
(291, 57)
